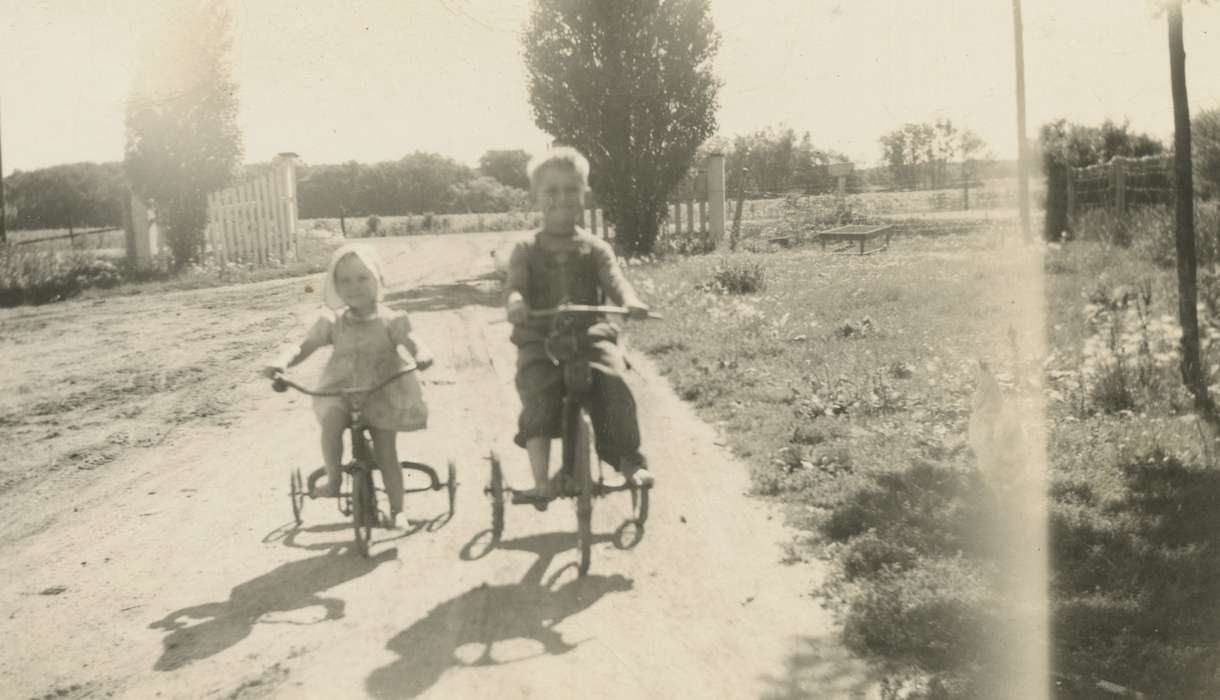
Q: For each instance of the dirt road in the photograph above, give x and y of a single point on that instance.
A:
(172, 570)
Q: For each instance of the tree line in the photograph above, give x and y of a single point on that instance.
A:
(918, 155)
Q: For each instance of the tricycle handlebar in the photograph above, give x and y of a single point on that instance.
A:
(280, 383)
(584, 309)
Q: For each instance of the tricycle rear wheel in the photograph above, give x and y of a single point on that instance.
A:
(639, 505)
(582, 462)
(296, 490)
(451, 486)
(495, 489)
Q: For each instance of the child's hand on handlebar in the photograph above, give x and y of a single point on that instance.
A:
(637, 312)
(424, 360)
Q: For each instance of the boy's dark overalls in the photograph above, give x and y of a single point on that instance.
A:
(553, 270)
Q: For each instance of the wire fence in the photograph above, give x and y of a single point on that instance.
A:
(1121, 183)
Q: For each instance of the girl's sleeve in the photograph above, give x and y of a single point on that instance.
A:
(319, 335)
(400, 329)
(402, 335)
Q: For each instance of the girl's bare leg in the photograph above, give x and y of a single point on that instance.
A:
(539, 449)
(385, 449)
(334, 422)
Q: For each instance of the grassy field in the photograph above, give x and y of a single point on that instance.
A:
(848, 384)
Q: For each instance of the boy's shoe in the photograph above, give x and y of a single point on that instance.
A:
(641, 478)
(635, 471)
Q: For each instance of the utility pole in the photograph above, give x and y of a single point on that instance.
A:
(3, 222)
(1022, 156)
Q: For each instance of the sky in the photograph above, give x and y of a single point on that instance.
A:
(373, 80)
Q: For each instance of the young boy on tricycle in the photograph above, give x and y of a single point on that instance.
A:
(563, 264)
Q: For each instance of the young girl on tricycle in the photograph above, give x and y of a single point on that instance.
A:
(368, 340)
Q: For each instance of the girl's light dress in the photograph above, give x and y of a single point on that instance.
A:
(366, 352)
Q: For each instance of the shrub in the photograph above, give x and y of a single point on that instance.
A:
(1130, 351)
(739, 277)
(1150, 231)
(40, 276)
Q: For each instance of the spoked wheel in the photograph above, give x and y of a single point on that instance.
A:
(584, 523)
(584, 498)
(364, 509)
(451, 485)
(296, 490)
(495, 489)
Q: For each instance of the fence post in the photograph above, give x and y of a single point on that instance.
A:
(287, 165)
(1119, 164)
(715, 197)
(141, 232)
(281, 216)
(689, 193)
(1071, 194)
(742, 172)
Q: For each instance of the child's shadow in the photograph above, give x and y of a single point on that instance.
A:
(291, 586)
(488, 614)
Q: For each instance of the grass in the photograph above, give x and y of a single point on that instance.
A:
(846, 384)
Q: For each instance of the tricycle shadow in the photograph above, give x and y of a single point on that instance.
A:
(292, 586)
(288, 533)
(487, 614)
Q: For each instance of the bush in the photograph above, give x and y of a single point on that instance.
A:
(40, 276)
(739, 277)
(1150, 231)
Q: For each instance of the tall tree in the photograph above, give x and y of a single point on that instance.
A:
(629, 83)
(1184, 222)
(182, 137)
(506, 167)
(3, 207)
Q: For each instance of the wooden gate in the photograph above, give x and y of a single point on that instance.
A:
(255, 222)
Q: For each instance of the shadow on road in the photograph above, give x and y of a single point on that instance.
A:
(486, 615)
(288, 533)
(475, 291)
(821, 668)
(292, 586)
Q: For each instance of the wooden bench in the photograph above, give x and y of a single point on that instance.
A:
(858, 233)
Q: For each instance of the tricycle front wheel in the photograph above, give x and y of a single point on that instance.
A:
(364, 509)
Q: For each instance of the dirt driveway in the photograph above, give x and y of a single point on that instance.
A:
(146, 547)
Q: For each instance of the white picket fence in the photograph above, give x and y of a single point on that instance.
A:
(255, 222)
